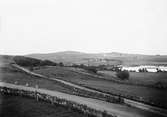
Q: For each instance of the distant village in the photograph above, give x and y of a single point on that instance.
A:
(145, 68)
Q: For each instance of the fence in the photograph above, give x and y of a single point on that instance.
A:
(55, 100)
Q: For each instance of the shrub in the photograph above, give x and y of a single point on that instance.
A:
(123, 75)
(92, 69)
(47, 62)
(143, 70)
(61, 64)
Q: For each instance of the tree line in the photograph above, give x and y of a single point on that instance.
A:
(32, 62)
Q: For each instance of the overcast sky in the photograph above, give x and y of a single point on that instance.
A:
(44, 26)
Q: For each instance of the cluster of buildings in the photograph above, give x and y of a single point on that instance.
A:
(146, 68)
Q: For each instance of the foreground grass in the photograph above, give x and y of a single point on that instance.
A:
(156, 95)
(15, 106)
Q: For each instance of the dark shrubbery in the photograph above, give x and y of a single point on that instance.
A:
(61, 64)
(143, 70)
(91, 69)
(123, 75)
(26, 61)
(32, 62)
(47, 62)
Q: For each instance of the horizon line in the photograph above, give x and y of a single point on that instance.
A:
(25, 54)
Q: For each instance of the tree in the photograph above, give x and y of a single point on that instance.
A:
(143, 70)
(26, 61)
(91, 69)
(123, 75)
(61, 64)
(47, 62)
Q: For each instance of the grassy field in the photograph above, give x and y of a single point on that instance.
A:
(15, 106)
(11, 75)
(156, 95)
(146, 78)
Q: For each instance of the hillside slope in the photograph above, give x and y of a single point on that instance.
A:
(114, 58)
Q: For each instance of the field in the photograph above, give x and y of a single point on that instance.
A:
(35, 109)
(11, 75)
(146, 78)
(15, 106)
(154, 94)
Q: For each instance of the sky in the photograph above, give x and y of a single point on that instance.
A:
(93, 26)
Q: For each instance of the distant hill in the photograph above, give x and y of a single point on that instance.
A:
(73, 57)
(113, 58)
(67, 57)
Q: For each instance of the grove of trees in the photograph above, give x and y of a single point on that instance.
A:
(32, 62)
(123, 75)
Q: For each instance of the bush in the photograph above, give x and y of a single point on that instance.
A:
(47, 62)
(61, 64)
(123, 75)
(143, 70)
(92, 69)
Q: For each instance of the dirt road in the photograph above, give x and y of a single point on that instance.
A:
(117, 109)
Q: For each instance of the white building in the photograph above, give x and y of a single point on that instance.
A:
(149, 68)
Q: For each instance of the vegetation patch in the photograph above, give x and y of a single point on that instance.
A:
(145, 94)
(123, 75)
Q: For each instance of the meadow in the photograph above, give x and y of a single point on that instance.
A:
(146, 78)
(154, 94)
(12, 75)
